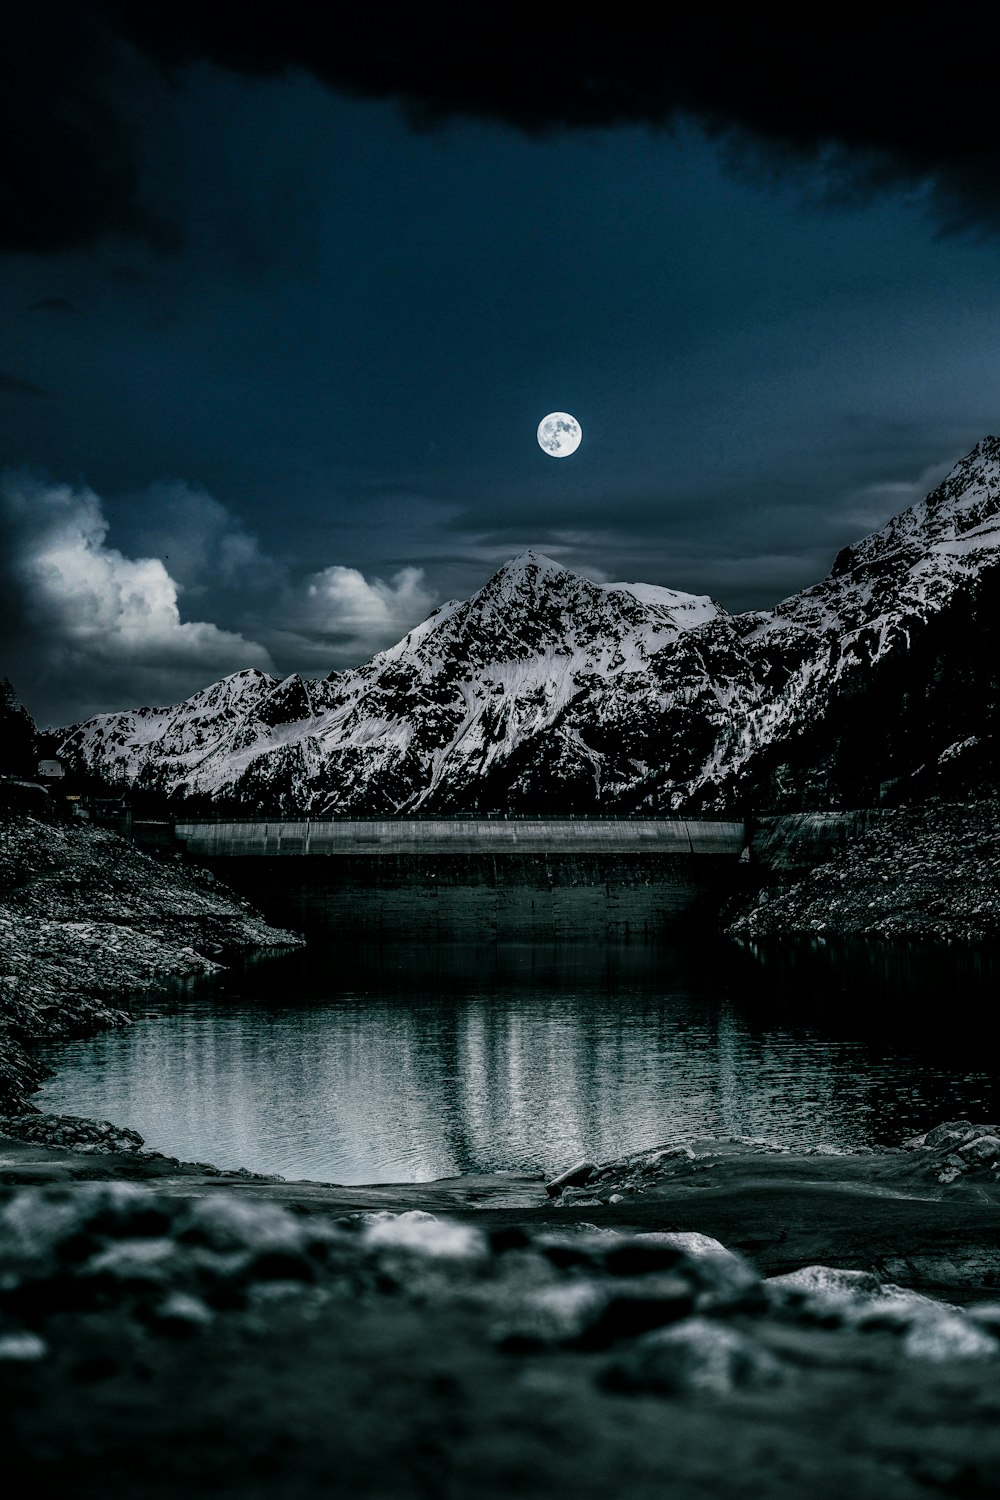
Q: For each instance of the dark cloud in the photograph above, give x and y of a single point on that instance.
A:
(10, 385)
(898, 94)
(68, 173)
(54, 304)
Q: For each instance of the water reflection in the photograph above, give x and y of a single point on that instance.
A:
(404, 1064)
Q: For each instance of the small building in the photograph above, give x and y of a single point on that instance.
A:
(51, 770)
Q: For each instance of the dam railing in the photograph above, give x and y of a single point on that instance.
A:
(525, 833)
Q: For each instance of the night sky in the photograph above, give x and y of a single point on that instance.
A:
(281, 311)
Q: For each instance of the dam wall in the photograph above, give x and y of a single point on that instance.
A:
(474, 880)
(418, 837)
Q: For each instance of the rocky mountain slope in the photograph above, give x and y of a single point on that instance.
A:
(546, 691)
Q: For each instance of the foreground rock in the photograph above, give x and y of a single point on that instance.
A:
(87, 921)
(214, 1345)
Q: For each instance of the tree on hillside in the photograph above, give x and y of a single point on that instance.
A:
(18, 734)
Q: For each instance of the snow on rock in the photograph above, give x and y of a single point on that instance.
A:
(547, 690)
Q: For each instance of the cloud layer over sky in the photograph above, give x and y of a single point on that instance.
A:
(893, 94)
(87, 628)
(298, 344)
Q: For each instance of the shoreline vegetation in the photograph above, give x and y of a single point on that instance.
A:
(713, 1317)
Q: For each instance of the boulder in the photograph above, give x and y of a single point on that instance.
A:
(697, 1354)
(551, 1315)
(22, 1347)
(951, 1336)
(419, 1233)
(982, 1150)
(575, 1176)
(951, 1132)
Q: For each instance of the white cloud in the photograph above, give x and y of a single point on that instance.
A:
(93, 628)
(90, 627)
(340, 616)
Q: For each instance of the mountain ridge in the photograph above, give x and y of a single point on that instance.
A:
(546, 689)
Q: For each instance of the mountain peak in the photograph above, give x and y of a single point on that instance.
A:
(529, 560)
(548, 689)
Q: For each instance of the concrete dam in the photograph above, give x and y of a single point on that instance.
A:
(476, 878)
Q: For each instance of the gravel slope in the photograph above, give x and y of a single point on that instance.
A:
(925, 872)
(87, 921)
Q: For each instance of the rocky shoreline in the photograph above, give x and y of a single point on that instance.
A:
(87, 920)
(744, 1321)
(927, 873)
(721, 1317)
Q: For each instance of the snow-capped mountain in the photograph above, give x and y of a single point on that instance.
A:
(546, 690)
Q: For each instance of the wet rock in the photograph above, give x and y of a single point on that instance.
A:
(589, 1248)
(950, 1168)
(575, 1176)
(949, 1133)
(614, 1287)
(22, 1348)
(665, 1156)
(718, 1278)
(689, 1241)
(593, 1313)
(697, 1354)
(929, 1329)
(45, 1229)
(97, 1136)
(106, 1244)
(635, 1307)
(182, 1312)
(420, 1233)
(642, 1170)
(984, 1149)
(986, 1315)
(134, 1263)
(722, 1279)
(551, 1315)
(895, 1310)
(948, 1337)
(823, 1280)
(827, 1295)
(228, 1224)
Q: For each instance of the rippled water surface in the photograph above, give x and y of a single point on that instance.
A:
(405, 1064)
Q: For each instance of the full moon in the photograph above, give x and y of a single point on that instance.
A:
(559, 434)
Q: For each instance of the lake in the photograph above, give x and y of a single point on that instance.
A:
(406, 1063)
